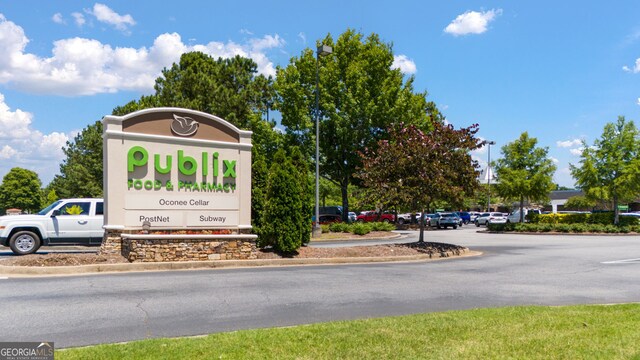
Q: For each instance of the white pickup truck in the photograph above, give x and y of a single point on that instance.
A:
(65, 222)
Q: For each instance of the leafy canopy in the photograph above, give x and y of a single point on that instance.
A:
(610, 169)
(81, 170)
(524, 171)
(20, 189)
(360, 97)
(414, 168)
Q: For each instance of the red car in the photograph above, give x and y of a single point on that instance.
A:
(371, 216)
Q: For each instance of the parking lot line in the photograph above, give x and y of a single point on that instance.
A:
(626, 261)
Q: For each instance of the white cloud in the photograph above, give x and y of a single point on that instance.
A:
(106, 15)
(58, 19)
(26, 147)
(472, 22)
(406, 65)
(302, 37)
(7, 152)
(635, 69)
(78, 18)
(638, 101)
(80, 66)
(569, 143)
(554, 160)
(245, 32)
(267, 42)
(576, 152)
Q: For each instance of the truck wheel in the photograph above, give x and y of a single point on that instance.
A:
(24, 243)
(385, 220)
(401, 221)
(477, 224)
(455, 227)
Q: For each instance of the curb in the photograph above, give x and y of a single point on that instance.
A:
(395, 236)
(553, 233)
(219, 264)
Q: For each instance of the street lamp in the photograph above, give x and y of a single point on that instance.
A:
(489, 143)
(322, 50)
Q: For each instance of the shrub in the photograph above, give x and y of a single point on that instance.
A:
(325, 228)
(339, 227)
(501, 227)
(360, 228)
(604, 218)
(524, 227)
(382, 226)
(283, 224)
(578, 228)
(546, 227)
(610, 229)
(565, 228)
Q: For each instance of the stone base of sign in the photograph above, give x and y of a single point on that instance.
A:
(160, 248)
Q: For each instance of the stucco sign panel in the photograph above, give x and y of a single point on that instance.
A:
(172, 168)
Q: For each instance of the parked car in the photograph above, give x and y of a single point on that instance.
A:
(491, 218)
(632, 214)
(352, 216)
(444, 220)
(328, 219)
(465, 216)
(514, 217)
(406, 218)
(371, 216)
(473, 216)
(330, 210)
(65, 222)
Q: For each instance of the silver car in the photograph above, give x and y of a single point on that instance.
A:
(491, 218)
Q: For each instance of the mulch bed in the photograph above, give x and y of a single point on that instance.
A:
(67, 259)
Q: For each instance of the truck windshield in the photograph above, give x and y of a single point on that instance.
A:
(48, 208)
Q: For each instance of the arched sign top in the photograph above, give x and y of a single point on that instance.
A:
(180, 123)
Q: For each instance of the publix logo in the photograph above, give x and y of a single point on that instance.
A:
(207, 164)
(184, 126)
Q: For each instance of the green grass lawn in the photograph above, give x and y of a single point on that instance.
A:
(534, 332)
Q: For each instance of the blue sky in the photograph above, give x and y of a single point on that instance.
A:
(558, 71)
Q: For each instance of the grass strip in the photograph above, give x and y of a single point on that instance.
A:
(529, 332)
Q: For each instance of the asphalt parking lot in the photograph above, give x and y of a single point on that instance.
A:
(514, 270)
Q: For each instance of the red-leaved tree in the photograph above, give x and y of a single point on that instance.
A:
(415, 168)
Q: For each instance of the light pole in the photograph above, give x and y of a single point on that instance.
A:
(489, 143)
(322, 50)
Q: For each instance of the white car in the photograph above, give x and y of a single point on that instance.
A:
(406, 218)
(491, 218)
(514, 217)
(65, 222)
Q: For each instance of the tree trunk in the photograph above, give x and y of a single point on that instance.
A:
(616, 213)
(345, 201)
(421, 238)
(521, 208)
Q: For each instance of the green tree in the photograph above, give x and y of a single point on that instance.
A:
(20, 189)
(228, 88)
(283, 224)
(360, 97)
(415, 169)
(524, 172)
(579, 203)
(610, 169)
(50, 197)
(307, 186)
(81, 170)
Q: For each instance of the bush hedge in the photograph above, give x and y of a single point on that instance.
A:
(605, 218)
(358, 228)
(565, 228)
